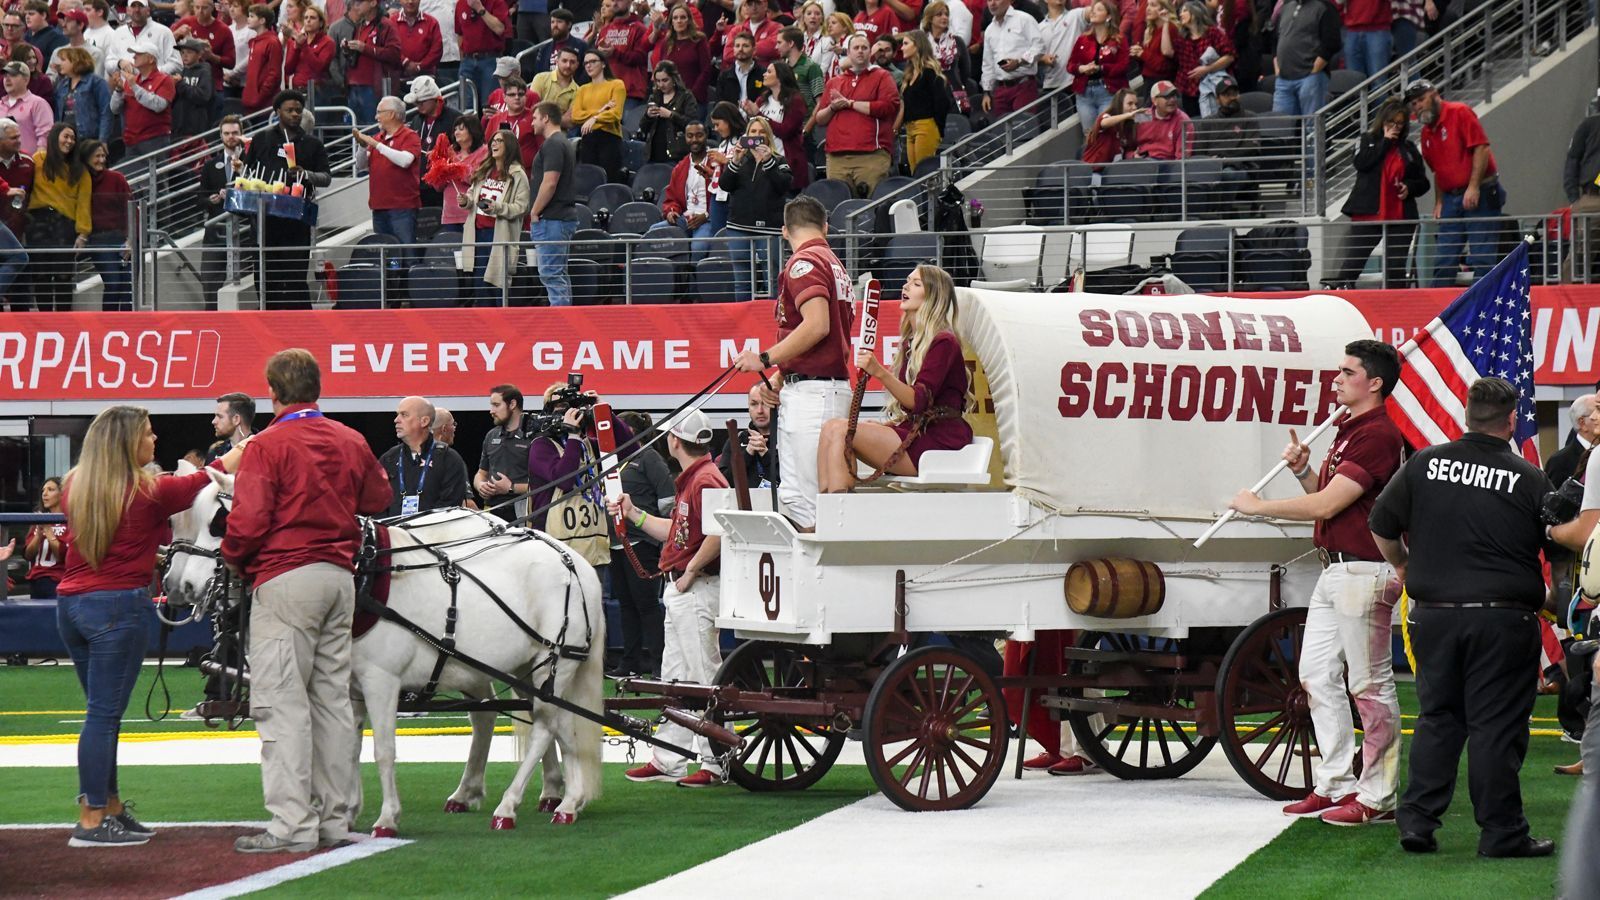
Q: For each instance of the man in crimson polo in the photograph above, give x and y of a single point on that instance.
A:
(689, 557)
(205, 26)
(517, 116)
(815, 308)
(482, 29)
(1467, 191)
(1352, 607)
(293, 533)
(145, 101)
(394, 159)
(421, 41)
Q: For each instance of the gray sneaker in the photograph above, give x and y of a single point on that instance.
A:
(132, 825)
(267, 842)
(109, 833)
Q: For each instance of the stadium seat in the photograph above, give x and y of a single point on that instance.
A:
(632, 118)
(610, 197)
(584, 215)
(1015, 285)
(655, 176)
(830, 192)
(1044, 202)
(587, 177)
(1104, 246)
(894, 185)
(653, 280)
(1273, 257)
(1012, 251)
(1258, 102)
(1267, 84)
(903, 216)
(904, 253)
(1200, 258)
(443, 254)
(1126, 192)
(714, 278)
(666, 241)
(1199, 179)
(366, 250)
(840, 218)
(956, 127)
(587, 286)
(634, 217)
(1280, 138)
(1343, 81)
(360, 287)
(634, 155)
(926, 167)
(431, 285)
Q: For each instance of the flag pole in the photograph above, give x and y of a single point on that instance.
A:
(1226, 517)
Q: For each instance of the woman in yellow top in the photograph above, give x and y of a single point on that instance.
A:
(59, 218)
(596, 112)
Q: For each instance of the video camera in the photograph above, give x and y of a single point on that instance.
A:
(549, 421)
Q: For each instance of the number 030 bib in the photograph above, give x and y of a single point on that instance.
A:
(580, 523)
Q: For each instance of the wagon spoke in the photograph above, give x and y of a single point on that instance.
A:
(1288, 754)
(1161, 736)
(1144, 743)
(806, 743)
(911, 767)
(1305, 758)
(1263, 728)
(1127, 736)
(927, 775)
(939, 760)
(1277, 737)
(959, 694)
(955, 749)
(905, 751)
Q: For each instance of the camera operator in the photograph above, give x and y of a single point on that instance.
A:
(561, 451)
(503, 465)
(760, 460)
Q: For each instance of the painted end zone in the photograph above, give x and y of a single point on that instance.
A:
(192, 860)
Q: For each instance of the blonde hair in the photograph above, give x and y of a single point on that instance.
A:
(931, 10)
(917, 331)
(766, 131)
(924, 60)
(111, 473)
(841, 19)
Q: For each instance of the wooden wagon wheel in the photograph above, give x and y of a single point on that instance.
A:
(1264, 713)
(935, 730)
(1135, 746)
(779, 753)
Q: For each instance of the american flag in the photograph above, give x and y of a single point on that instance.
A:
(1484, 333)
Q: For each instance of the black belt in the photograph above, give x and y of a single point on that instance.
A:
(1486, 183)
(797, 377)
(1474, 604)
(1329, 557)
(481, 56)
(999, 83)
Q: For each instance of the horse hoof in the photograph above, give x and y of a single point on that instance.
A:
(455, 806)
(562, 818)
(549, 804)
(502, 823)
(378, 831)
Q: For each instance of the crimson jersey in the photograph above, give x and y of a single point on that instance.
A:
(814, 271)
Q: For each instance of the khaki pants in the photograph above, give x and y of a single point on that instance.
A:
(300, 698)
(862, 171)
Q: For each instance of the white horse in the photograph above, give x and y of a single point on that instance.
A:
(531, 577)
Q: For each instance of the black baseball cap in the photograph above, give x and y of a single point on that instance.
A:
(1417, 88)
(1226, 84)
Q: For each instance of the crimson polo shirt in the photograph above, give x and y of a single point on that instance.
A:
(139, 123)
(220, 37)
(815, 273)
(476, 38)
(1447, 147)
(422, 43)
(685, 536)
(393, 187)
(1366, 449)
(130, 560)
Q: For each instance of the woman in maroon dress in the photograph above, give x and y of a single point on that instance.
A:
(928, 390)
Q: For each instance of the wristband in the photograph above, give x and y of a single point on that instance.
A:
(766, 360)
(640, 522)
(1303, 472)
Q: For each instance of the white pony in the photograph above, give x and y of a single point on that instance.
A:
(531, 577)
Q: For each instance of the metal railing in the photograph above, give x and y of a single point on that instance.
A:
(1004, 136)
(1469, 61)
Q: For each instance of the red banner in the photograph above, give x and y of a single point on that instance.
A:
(632, 350)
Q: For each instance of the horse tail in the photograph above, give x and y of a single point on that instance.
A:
(588, 689)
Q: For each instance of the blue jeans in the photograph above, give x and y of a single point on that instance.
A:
(1403, 34)
(400, 224)
(105, 633)
(1469, 230)
(480, 71)
(1300, 96)
(550, 247)
(116, 279)
(1367, 51)
(700, 245)
(1091, 103)
(363, 101)
(12, 260)
(718, 221)
(748, 253)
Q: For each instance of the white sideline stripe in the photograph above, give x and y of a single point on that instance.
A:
(299, 869)
(50, 825)
(1201, 826)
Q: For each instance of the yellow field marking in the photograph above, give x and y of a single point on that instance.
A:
(146, 737)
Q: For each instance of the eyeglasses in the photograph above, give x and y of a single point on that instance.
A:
(11, 25)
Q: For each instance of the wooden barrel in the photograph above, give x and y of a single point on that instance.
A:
(1115, 588)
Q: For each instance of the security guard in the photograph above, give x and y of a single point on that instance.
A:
(1469, 510)
(503, 465)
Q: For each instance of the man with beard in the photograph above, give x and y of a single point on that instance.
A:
(545, 58)
(760, 463)
(216, 173)
(559, 85)
(1467, 190)
(687, 203)
(1232, 136)
(503, 465)
(287, 153)
(233, 421)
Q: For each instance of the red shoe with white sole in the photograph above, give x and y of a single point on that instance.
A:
(1357, 813)
(1075, 765)
(1315, 805)
(1042, 761)
(701, 779)
(647, 772)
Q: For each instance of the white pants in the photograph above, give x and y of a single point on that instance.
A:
(802, 408)
(1350, 627)
(690, 653)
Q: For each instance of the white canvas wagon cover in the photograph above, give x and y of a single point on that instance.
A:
(1165, 404)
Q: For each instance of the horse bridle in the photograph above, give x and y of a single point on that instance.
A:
(215, 593)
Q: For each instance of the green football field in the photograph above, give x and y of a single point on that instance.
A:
(637, 834)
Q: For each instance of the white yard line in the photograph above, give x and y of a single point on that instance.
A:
(303, 868)
(1110, 838)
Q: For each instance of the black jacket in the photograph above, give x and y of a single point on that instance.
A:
(1370, 154)
(1563, 464)
(663, 138)
(756, 192)
(1583, 159)
(755, 467)
(443, 480)
(191, 103)
(728, 85)
(430, 130)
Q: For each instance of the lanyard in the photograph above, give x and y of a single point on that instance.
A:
(302, 414)
(422, 477)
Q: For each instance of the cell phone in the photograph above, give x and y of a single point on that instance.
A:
(750, 143)
(505, 126)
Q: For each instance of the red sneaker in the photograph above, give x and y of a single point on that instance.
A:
(1042, 761)
(1356, 813)
(701, 779)
(1074, 765)
(1315, 805)
(648, 772)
